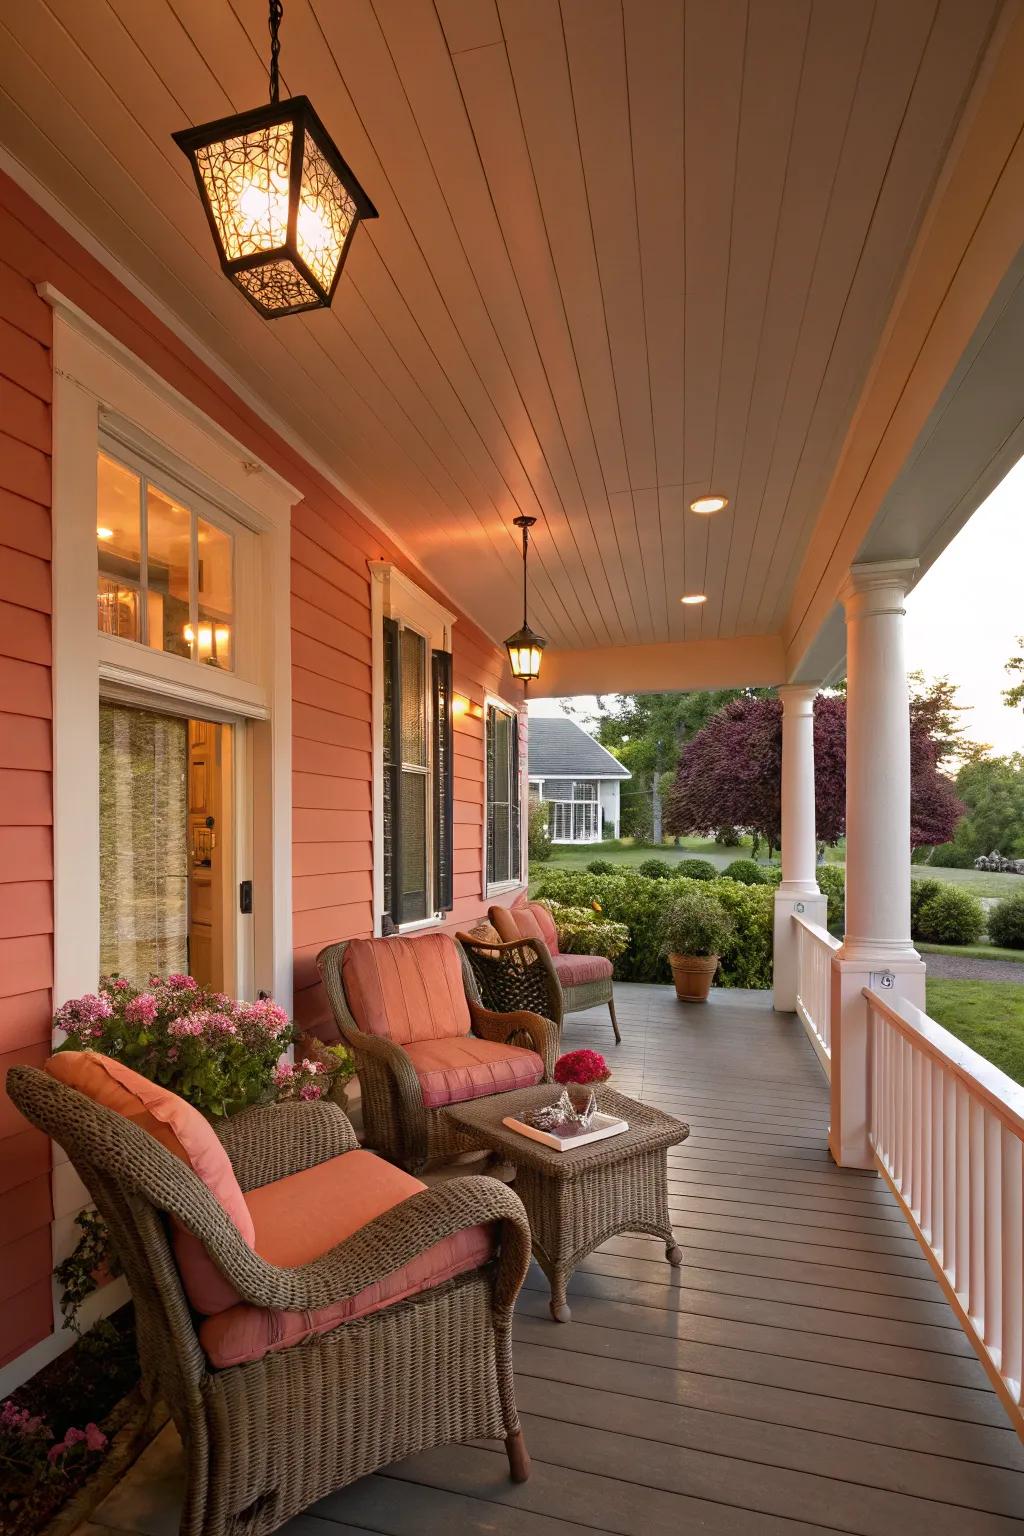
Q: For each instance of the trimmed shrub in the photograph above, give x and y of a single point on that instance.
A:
(951, 916)
(538, 836)
(952, 856)
(1006, 922)
(921, 891)
(582, 932)
(655, 869)
(640, 904)
(695, 869)
(745, 871)
(696, 923)
(832, 883)
(601, 867)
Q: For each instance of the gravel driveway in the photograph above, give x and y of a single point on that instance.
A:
(953, 968)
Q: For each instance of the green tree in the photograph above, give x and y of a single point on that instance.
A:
(1014, 695)
(935, 709)
(647, 732)
(992, 788)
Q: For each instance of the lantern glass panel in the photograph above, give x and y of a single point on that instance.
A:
(325, 217)
(246, 180)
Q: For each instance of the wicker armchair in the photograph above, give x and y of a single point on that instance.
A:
(266, 1439)
(396, 1121)
(571, 983)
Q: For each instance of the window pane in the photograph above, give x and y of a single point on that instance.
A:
(143, 843)
(414, 698)
(216, 599)
(413, 846)
(118, 549)
(168, 559)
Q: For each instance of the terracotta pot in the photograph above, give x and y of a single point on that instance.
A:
(693, 975)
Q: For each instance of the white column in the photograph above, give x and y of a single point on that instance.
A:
(798, 894)
(877, 950)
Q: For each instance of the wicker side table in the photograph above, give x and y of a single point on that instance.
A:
(576, 1200)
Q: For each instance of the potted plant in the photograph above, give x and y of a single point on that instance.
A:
(696, 930)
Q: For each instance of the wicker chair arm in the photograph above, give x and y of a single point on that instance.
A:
(503, 1028)
(514, 975)
(270, 1142)
(394, 1058)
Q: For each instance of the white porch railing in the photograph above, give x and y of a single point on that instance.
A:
(947, 1129)
(815, 947)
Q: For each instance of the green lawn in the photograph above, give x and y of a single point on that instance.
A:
(977, 880)
(986, 1015)
(972, 951)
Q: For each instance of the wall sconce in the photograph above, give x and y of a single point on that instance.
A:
(463, 706)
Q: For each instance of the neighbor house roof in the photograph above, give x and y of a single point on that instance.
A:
(561, 748)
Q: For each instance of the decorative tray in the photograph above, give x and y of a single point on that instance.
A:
(600, 1127)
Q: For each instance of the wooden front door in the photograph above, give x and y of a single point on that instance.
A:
(206, 840)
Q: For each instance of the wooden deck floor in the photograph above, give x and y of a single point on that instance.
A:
(801, 1372)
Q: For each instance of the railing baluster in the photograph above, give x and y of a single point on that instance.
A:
(1012, 1201)
(963, 1192)
(992, 1175)
(937, 1235)
(976, 1165)
(949, 1150)
(925, 1174)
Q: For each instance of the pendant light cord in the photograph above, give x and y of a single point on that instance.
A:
(276, 13)
(526, 543)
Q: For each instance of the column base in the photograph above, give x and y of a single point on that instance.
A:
(812, 906)
(851, 1057)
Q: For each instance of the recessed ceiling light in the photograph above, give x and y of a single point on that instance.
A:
(708, 504)
(692, 598)
(104, 533)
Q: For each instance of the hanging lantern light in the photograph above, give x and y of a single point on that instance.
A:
(525, 647)
(282, 204)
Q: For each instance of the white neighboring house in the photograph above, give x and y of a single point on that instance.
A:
(577, 776)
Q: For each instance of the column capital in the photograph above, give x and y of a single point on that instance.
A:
(877, 586)
(798, 698)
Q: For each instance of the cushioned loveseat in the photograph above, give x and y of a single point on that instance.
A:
(583, 981)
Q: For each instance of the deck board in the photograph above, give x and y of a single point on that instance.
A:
(802, 1372)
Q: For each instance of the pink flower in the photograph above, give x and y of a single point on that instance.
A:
(95, 1439)
(312, 1066)
(310, 1091)
(83, 1011)
(581, 1067)
(142, 1009)
(283, 1073)
(172, 1053)
(179, 982)
(19, 1421)
(188, 1025)
(264, 1014)
(119, 984)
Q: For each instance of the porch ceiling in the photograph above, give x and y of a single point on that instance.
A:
(626, 254)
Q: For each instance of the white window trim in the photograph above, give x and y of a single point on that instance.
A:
(502, 887)
(394, 596)
(100, 386)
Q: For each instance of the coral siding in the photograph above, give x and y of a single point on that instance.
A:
(26, 843)
(331, 703)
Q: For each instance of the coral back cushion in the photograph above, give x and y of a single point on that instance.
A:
(406, 989)
(527, 922)
(184, 1132)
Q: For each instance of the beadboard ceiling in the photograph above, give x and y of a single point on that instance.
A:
(629, 252)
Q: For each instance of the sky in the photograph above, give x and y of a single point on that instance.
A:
(962, 619)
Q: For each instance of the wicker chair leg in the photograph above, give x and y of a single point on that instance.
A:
(518, 1456)
(615, 1022)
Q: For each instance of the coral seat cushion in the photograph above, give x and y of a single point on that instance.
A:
(406, 989)
(299, 1218)
(184, 1132)
(581, 970)
(505, 920)
(451, 1071)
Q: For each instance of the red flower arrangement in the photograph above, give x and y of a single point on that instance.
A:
(582, 1067)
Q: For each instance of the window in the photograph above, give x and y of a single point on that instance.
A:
(575, 815)
(503, 841)
(164, 572)
(414, 804)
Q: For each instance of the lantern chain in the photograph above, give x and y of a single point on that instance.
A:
(276, 13)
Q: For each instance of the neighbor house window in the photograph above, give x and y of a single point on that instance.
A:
(416, 789)
(503, 859)
(165, 571)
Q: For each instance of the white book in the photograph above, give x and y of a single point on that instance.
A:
(603, 1126)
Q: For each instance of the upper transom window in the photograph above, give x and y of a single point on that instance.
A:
(165, 569)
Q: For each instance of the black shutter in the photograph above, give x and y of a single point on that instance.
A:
(490, 747)
(444, 787)
(515, 852)
(392, 788)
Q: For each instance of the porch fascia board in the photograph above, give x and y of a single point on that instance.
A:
(749, 661)
(969, 243)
